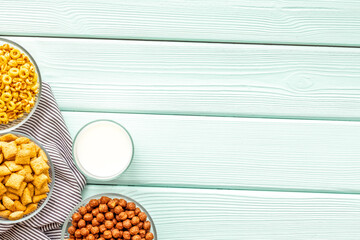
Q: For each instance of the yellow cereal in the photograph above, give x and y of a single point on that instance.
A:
(8, 137)
(16, 215)
(40, 180)
(44, 189)
(17, 74)
(8, 203)
(4, 170)
(12, 196)
(3, 189)
(24, 174)
(26, 197)
(39, 165)
(12, 166)
(5, 213)
(15, 181)
(22, 157)
(30, 208)
(9, 150)
(38, 198)
(19, 206)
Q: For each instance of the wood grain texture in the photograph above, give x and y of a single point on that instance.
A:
(200, 79)
(266, 21)
(217, 152)
(222, 214)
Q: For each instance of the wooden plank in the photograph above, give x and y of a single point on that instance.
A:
(235, 153)
(223, 214)
(200, 79)
(266, 21)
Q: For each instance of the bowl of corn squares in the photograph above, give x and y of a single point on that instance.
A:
(26, 177)
(20, 85)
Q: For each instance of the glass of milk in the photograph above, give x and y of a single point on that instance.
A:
(103, 149)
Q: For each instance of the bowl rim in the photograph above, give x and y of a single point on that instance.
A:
(108, 194)
(82, 170)
(27, 217)
(39, 80)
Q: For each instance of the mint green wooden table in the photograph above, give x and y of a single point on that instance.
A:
(244, 114)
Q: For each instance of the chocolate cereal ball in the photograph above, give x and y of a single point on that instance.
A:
(130, 206)
(127, 224)
(134, 230)
(82, 210)
(115, 233)
(126, 235)
(136, 237)
(149, 236)
(109, 224)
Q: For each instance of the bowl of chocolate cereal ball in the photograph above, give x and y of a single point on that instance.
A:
(109, 216)
(20, 85)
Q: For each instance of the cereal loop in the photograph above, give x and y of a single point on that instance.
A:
(24, 73)
(11, 105)
(6, 79)
(13, 72)
(6, 96)
(15, 53)
(3, 116)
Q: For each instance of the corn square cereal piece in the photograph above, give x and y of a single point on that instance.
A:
(38, 198)
(8, 203)
(48, 175)
(6, 178)
(19, 206)
(16, 215)
(37, 149)
(8, 137)
(12, 166)
(26, 197)
(15, 181)
(12, 196)
(30, 208)
(20, 191)
(3, 189)
(4, 170)
(1, 157)
(29, 177)
(27, 168)
(43, 155)
(2, 208)
(44, 189)
(22, 172)
(5, 213)
(22, 156)
(22, 140)
(39, 165)
(31, 147)
(31, 189)
(9, 150)
(40, 180)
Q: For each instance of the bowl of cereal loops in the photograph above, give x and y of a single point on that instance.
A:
(26, 177)
(109, 216)
(20, 85)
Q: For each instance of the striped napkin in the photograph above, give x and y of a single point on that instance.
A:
(48, 127)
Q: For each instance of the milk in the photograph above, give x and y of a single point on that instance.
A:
(103, 149)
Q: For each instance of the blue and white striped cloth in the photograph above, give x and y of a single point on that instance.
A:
(48, 127)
